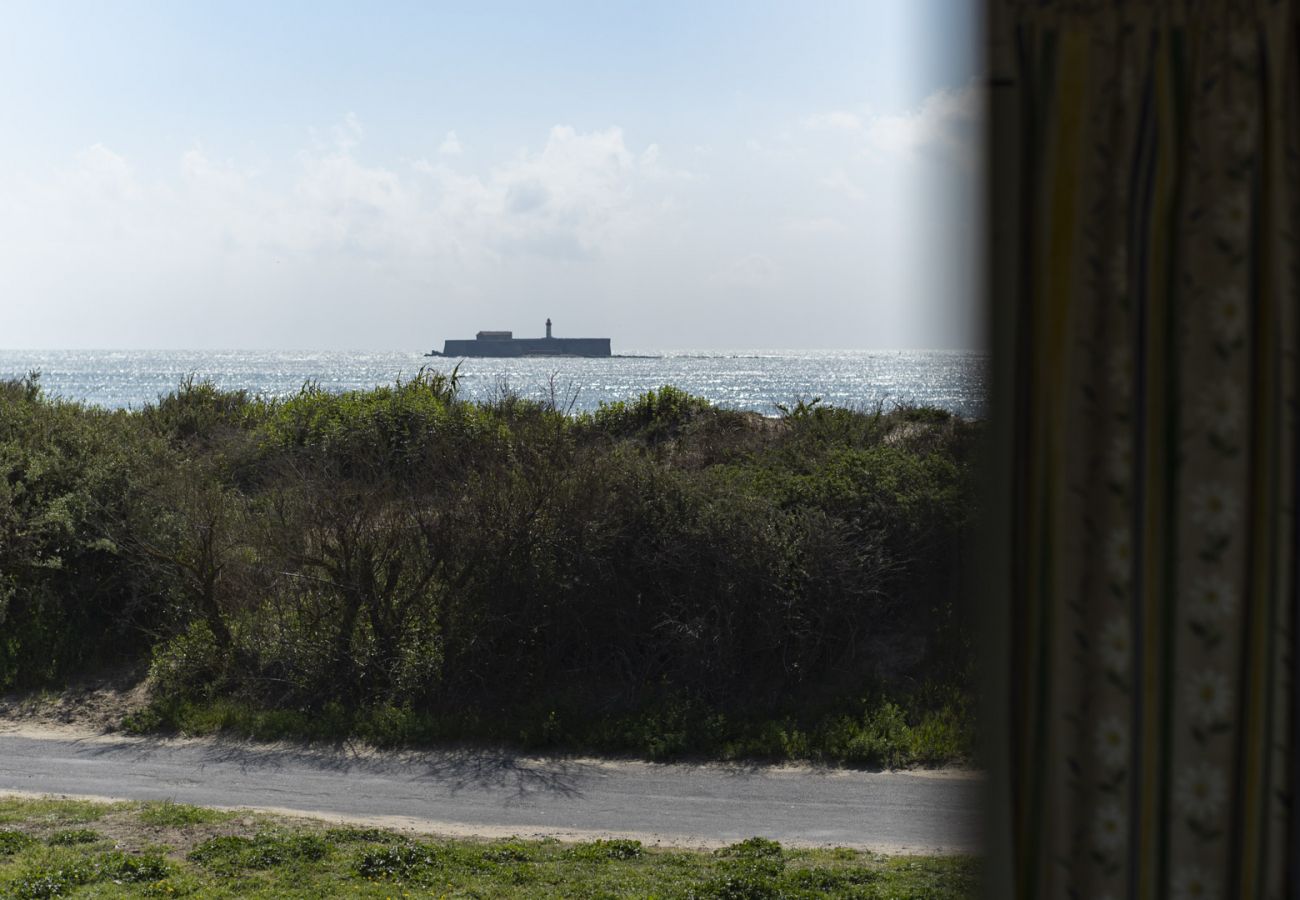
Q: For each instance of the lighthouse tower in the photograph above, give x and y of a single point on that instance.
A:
(548, 327)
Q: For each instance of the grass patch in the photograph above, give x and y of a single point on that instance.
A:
(404, 862)
(45, 812)
(13, 841)
(69, 837)
(883, 728)
(602, 850)
(233, 853)
(179, 815)
(56, 872)
(303, 858)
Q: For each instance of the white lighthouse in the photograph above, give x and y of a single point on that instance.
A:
(548, 327)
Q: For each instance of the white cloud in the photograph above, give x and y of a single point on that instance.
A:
(945, 125)
(450, 145)
(96, 233)
(337, 245)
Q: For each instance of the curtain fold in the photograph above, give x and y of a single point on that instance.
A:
(1145, 287)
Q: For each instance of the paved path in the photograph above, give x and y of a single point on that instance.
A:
(494, 794)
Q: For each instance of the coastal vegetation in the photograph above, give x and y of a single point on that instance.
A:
(660, 577)
(52, 848)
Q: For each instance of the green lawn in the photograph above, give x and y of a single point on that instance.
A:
(57, 848)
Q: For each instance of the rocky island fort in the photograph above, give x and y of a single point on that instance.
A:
(504, 343)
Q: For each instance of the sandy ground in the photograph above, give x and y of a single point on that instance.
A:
(93, 705)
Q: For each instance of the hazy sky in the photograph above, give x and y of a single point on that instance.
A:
(385, 176)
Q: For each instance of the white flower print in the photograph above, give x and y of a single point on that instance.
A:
(1212, 599)
(1209, 697)
(1112, 742)
(1110, 827)
(1222, 409)
(1200, 791)
(1191, 883)
(1115, 645)
(1119, 555)
(1215, 508)
(1227, 313)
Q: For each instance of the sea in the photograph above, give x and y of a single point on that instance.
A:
(763, 381)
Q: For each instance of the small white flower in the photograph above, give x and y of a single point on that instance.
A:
(1227, 313)
(1222, 408)
(1190, 883)
(1110, 827)
(1119, 458)
(1232, 221)
(1119, 555)
(1209, 697)
(1115, 645)
(1112, 741)
(1200, 791)
(1212, 599)
(1215, 508)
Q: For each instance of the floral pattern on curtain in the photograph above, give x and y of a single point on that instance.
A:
(1153, 318)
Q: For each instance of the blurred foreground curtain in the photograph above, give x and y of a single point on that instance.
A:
(1143, 223)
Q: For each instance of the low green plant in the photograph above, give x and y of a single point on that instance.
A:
(354, 835)
(251, 860)
(179, 815)
(12, 841)
(606, 849)
(73, 836)
(59, 872)
(402, 862)
(228, 854)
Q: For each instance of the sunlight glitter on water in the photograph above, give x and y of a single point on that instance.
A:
(754, 379)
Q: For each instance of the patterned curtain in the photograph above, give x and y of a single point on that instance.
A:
(1144, 224)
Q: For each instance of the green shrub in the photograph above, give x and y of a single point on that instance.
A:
(354, 835)
(229, 854)
(404, 862)
(13, 841)
(606, 849)
(179, 815)
(118, 866)
(72, 836)
(660, 576)
(753, 848)
(189, 665)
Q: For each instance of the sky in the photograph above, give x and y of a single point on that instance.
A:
(320, 175)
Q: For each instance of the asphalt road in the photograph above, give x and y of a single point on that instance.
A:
(494, 794)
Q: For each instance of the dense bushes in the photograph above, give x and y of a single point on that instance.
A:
(400, 549)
